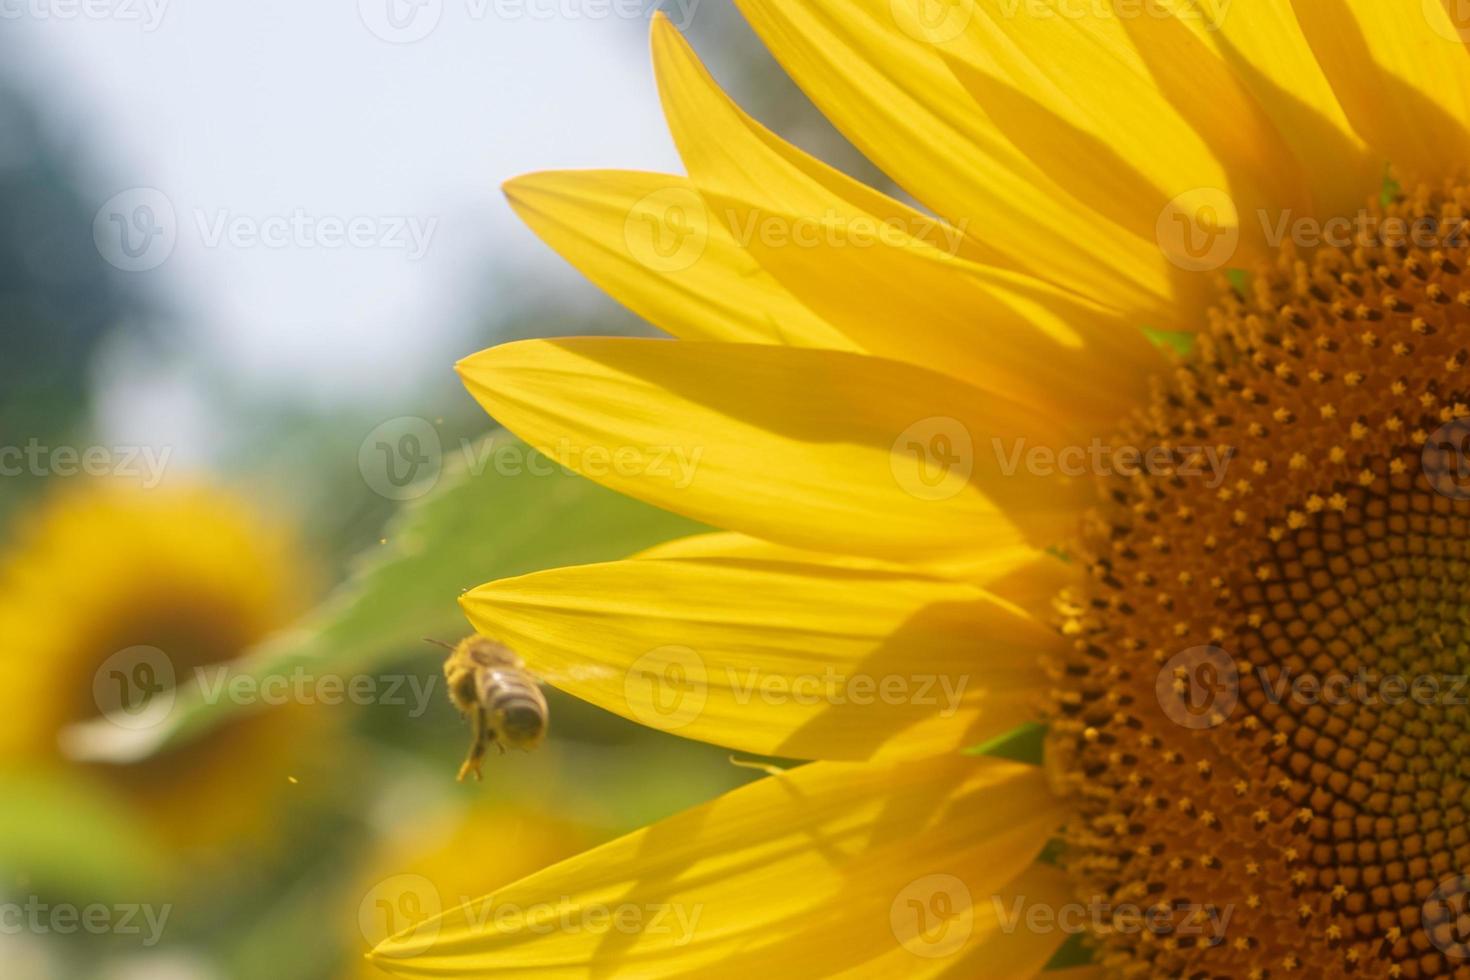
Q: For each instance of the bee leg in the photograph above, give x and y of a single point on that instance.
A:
(476, 757)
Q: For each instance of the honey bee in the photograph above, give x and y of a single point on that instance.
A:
(490, 685)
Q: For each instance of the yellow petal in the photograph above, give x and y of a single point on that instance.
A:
(1035, 584)
(728, 544)
(819, 871)
(1402, 73)
(1268, 53)
(896, 97)
(1128, 113)
(1010, 564)
(1001, 330)
(647, 240)
(1010, 948)
(726, 150)
(819, 449)
(786, 658)
(864, 262)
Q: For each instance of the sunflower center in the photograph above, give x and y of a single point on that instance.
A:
(1264, 721)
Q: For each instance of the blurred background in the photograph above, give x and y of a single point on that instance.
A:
(241, 245)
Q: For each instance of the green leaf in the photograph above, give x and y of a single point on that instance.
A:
(1024, 743)
(485, 520)
(1391, 188)
(60, 833)
(1178, 341)
(1073, 953)
(1239, 280)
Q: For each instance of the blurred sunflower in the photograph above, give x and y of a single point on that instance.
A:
(109, 595)
(408, 884)
(947, 454)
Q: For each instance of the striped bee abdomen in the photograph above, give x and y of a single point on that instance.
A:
(517, 708)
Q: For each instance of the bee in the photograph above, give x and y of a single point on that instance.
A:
(491, 686)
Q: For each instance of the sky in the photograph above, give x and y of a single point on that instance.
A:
(313, 185)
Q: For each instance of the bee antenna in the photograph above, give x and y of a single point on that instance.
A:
(439, 643)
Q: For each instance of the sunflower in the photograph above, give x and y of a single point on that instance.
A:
(1145, 430)
(110, 594)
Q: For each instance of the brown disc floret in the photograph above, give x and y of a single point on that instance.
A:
(1263, 722)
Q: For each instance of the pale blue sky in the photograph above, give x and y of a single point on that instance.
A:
(256, 115)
